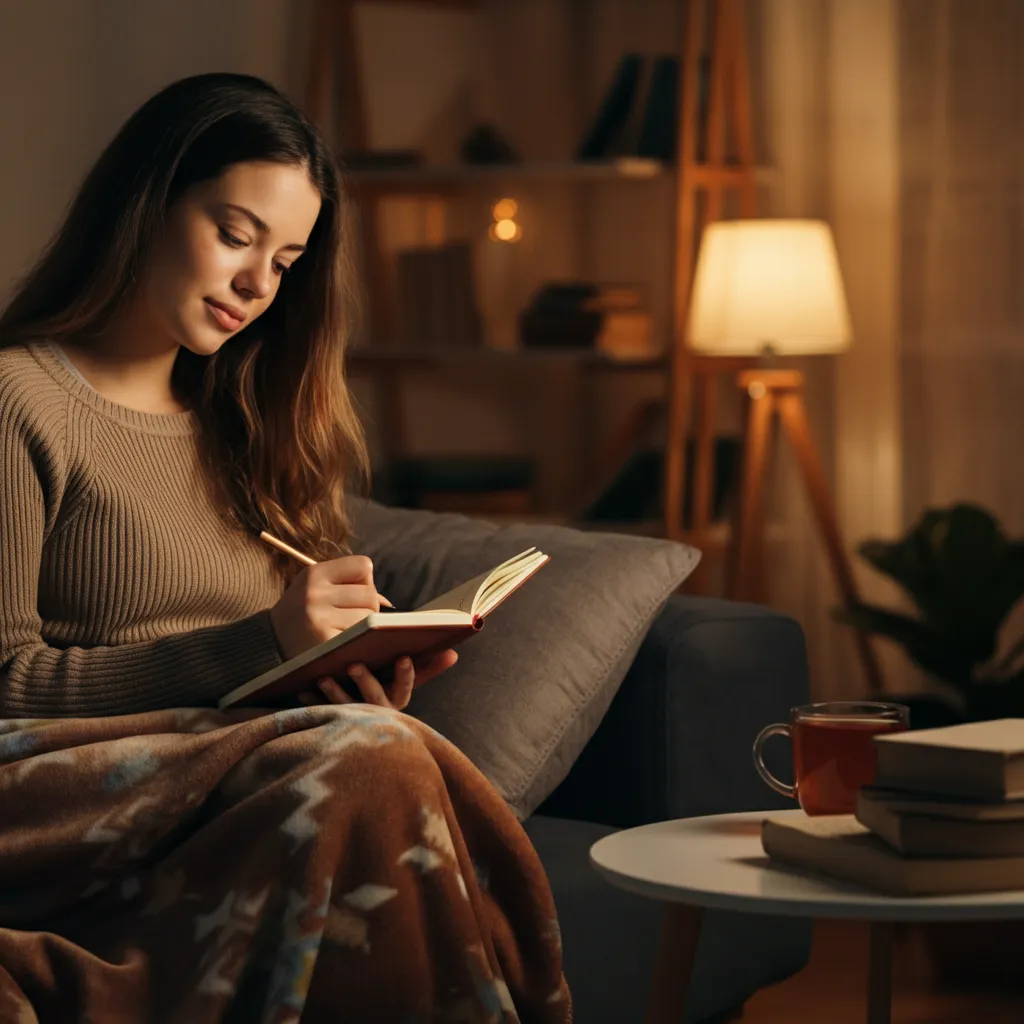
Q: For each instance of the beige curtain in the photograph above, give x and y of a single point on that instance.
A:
(962, 260)
(828, 74)
(918, 166)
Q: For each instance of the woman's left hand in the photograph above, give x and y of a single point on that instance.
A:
(407, 677)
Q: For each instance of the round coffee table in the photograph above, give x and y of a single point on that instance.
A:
(718, 862)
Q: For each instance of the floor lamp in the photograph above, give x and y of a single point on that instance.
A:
(769, 289)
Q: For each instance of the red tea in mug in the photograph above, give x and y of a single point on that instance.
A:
(833, 751)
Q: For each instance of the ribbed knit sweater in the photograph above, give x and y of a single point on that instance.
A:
(121, 587)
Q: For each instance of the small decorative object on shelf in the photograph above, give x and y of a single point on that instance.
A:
(484, 145)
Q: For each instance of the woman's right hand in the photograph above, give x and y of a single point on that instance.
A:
(323, 600)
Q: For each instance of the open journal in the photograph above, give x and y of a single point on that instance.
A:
(380, 639)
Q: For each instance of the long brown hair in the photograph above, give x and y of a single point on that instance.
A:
(280, 436)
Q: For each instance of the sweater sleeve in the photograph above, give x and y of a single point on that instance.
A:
(37, 680)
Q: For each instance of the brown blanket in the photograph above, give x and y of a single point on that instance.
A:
(330, 863)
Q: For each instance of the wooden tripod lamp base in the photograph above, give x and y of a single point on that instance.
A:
(772, 393)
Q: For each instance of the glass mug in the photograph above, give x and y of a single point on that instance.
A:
(833, 751)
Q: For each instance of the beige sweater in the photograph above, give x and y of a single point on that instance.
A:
(121, 589)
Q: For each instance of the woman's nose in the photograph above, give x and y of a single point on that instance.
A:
(255, 282)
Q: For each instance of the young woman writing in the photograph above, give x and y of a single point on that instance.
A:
(171, 384)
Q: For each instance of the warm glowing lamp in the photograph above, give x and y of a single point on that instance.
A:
(773, 288)
(768, 287)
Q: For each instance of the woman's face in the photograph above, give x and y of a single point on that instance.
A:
(228, 242)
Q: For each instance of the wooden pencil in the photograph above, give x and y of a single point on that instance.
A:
(286, 548)
(304, 559)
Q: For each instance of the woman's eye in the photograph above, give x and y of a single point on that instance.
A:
(230, 239)
(280, 268)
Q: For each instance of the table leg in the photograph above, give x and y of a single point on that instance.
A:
(880, 972)
(677, 949)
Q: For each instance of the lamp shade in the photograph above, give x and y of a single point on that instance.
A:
(768, 286)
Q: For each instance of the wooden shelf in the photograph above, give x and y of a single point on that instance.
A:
(391, 356)
(446, 179)
(419, 180)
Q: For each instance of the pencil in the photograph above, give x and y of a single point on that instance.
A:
(304, 559)
(286, 548)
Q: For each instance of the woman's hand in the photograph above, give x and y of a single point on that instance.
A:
(323, 600)
(407, 677)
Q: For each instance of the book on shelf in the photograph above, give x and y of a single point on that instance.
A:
(931, 835)
(627, 334)
(381, 638)
(840, 847)
(656, 135)
(607, 297)
(639, 113)
(980, 760)
(436, 297)
(604, 135)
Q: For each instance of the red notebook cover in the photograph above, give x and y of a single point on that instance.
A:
(378, 649)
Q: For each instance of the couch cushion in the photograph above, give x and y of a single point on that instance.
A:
(529, 690)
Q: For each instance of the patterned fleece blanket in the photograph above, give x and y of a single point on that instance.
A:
(331, 863)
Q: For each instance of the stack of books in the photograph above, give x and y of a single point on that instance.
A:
(607, 318)
(944, 816)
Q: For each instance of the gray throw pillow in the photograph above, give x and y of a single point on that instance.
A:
(530, 689)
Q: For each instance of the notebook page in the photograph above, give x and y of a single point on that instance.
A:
(465, 597)
(497, 590)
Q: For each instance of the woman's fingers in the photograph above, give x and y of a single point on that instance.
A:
(431, 667)
(401, 688)
(354, 596)
(346, 569)
(369, 686)
(332, 691)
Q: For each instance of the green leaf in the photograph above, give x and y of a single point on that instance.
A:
(926, 647)
(958, 567)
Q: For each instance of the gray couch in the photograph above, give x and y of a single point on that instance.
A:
(675, 742)
(543, 701)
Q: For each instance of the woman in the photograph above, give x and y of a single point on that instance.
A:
(171, 383)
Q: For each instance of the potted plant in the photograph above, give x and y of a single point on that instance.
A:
(964, 576)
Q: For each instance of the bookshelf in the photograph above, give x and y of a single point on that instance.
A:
(714, 164)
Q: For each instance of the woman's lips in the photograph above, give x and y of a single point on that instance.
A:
(223, 317)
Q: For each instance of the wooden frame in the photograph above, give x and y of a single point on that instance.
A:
(771, 394)
(716, 176)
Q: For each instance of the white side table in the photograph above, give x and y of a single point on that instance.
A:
(717, 861)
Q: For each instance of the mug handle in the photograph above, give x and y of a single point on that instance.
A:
(765, 734)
